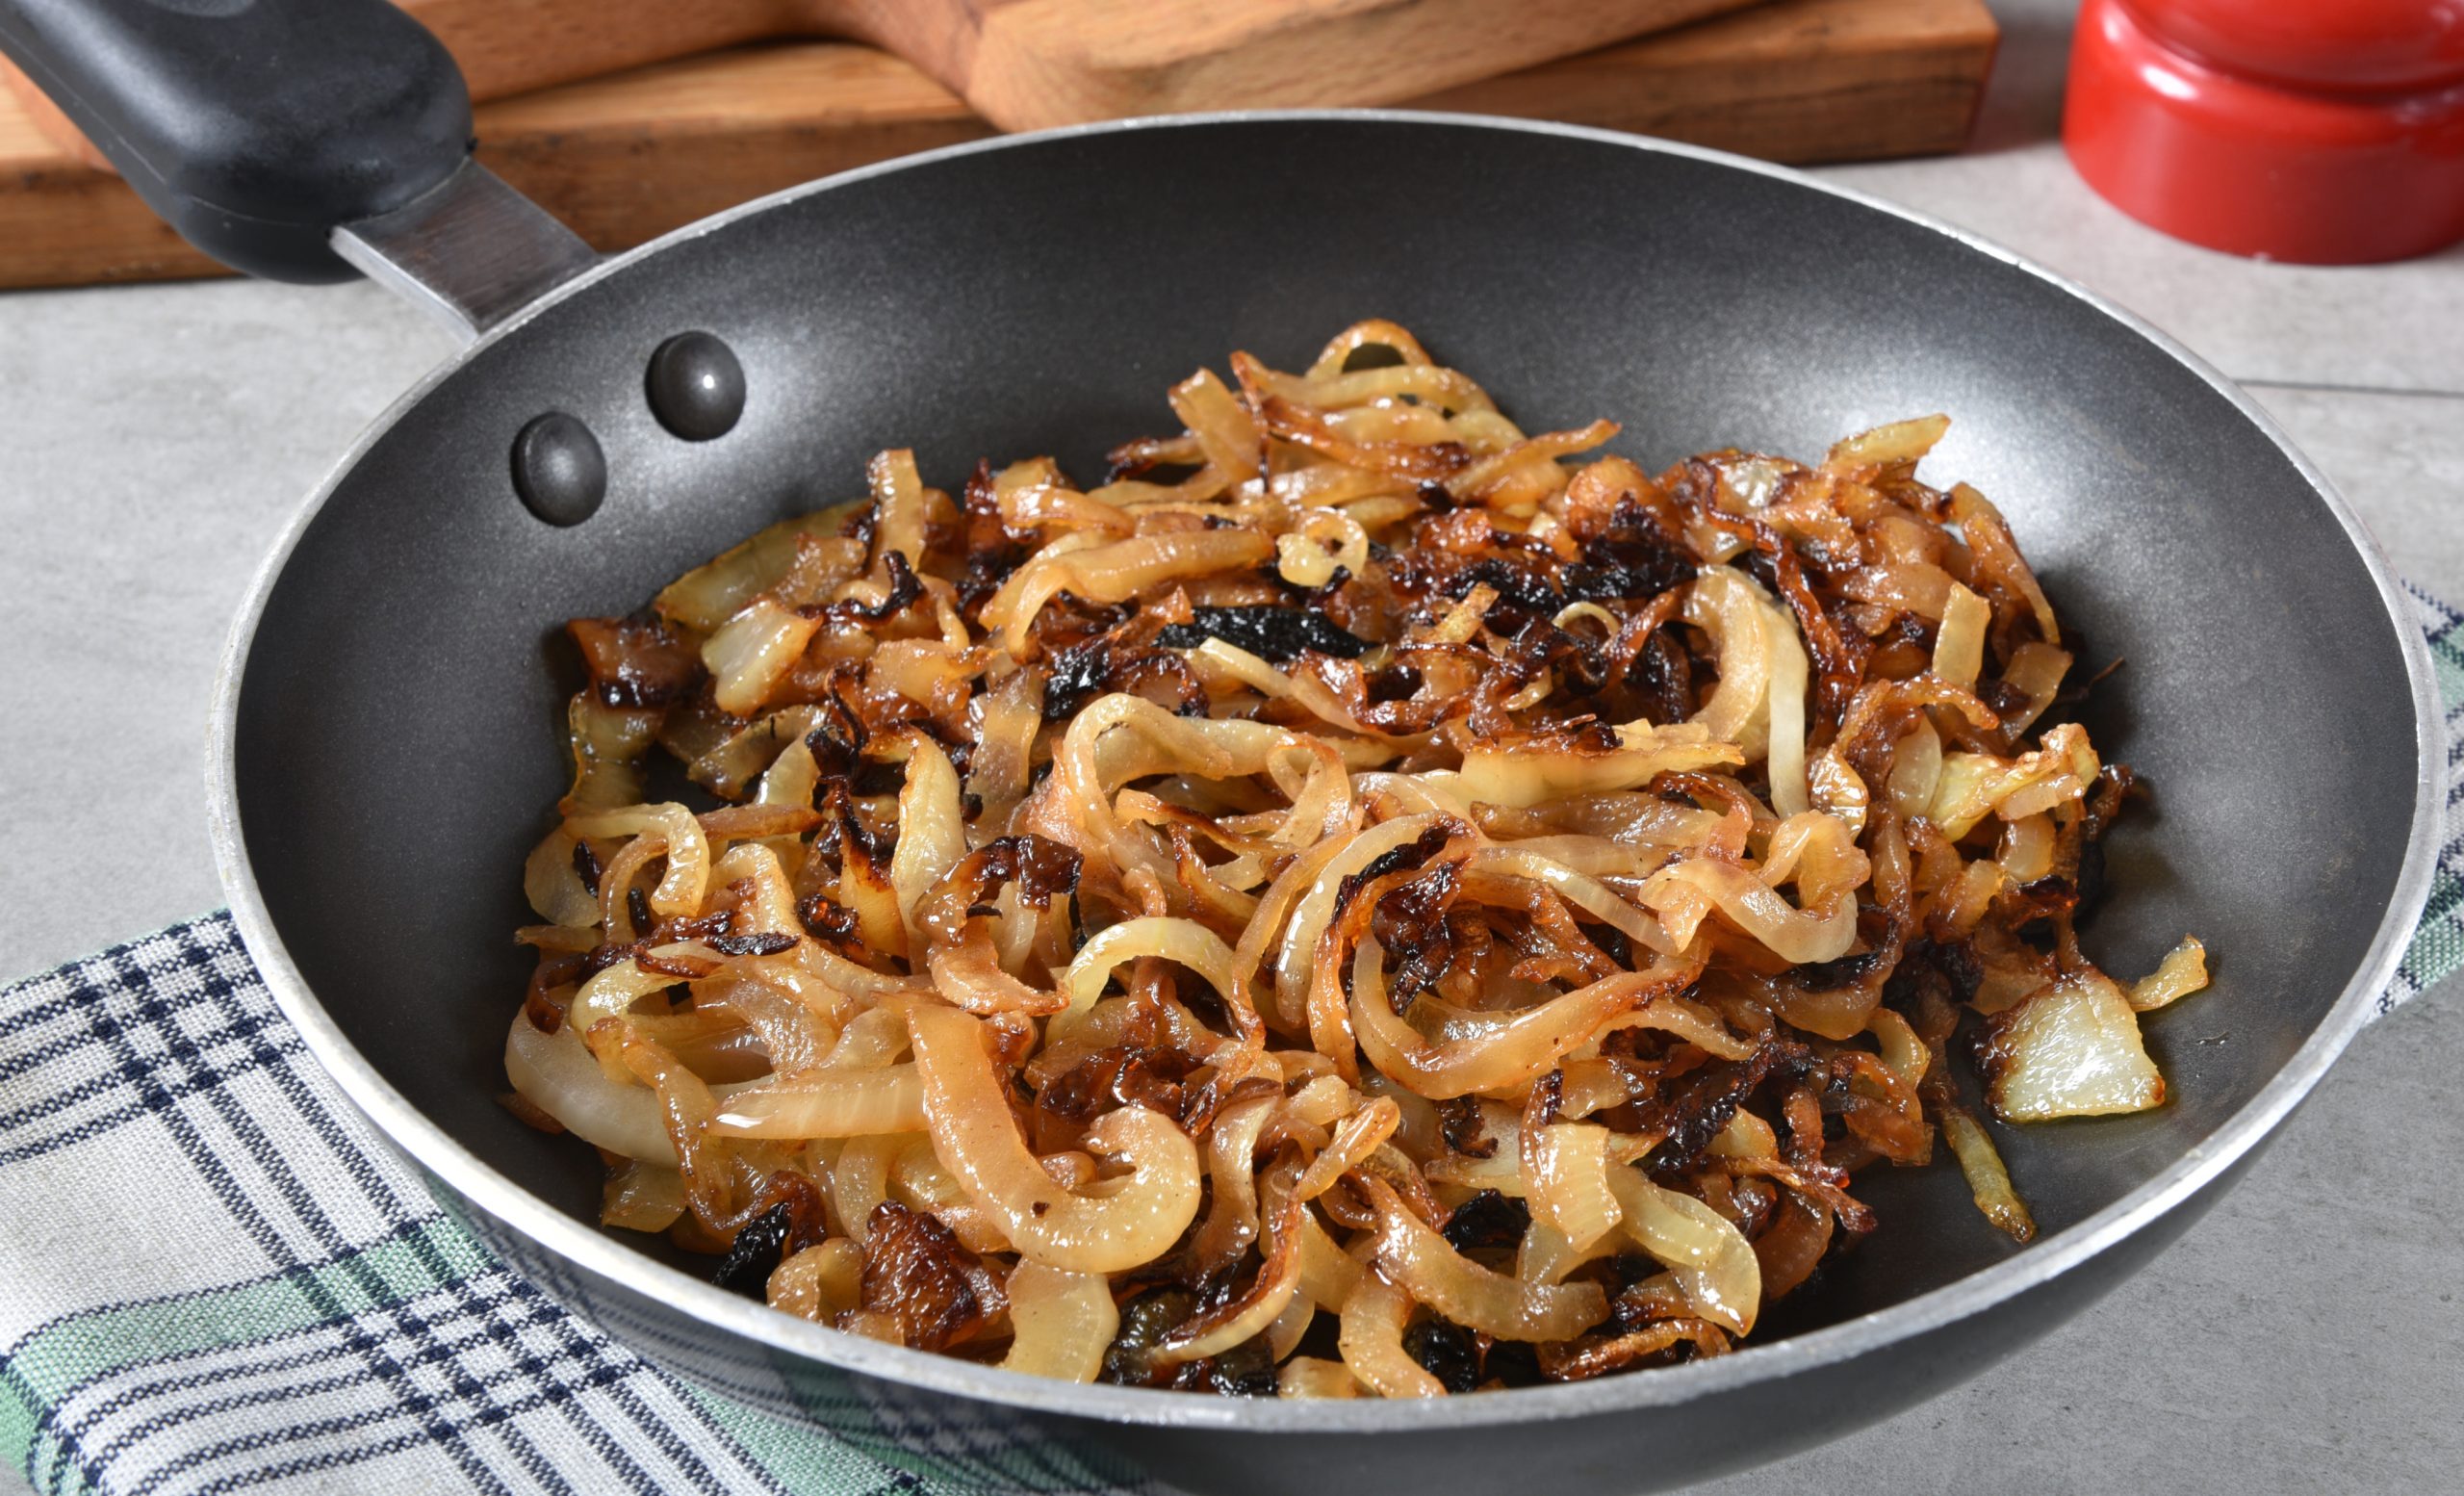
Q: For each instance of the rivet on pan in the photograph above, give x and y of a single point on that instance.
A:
(696, 386)
(558, 469)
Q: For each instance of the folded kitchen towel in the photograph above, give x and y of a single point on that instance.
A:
(213, 1277)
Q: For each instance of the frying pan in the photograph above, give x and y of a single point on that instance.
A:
(387, 739)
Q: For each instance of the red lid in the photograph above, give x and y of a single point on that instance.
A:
(2324, 44)
(2182, 114)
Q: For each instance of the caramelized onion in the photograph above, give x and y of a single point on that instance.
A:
(821, 1282)
(898, 505)
(753, 652)
(1518, 1052)
(1231, 1160)
(1760, 703)
(1360, 820)
(1110, 572)
(617, 988)
(2070, 1050)
(1959, 648)
(1245, 1316)
(1974, 784)
(932, 830)
(607, 744)
(2034, 672)
(1524, 777)
(1184, 940)
(859, 1181)
(1579, 889)
(969, 975)
(1986, 1179)
(556, 1073)
(1327, 1274)
(2183, 972)
(1568, 1181)
(831, 1105)
(1420, 1262)
(1316, 907)
(1306, 1375)
(554, 889)
(642, 1196)
(1997, 557)
(1712, 1263)
(679, 838)
(1371, 1339)
(1063, 1322)
(1005, 746)
(1361, 1134)
(1898, 445)
(1682, 894)
(1119, 1225)
(709, 595)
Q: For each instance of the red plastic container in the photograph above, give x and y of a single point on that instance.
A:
(2322, 131)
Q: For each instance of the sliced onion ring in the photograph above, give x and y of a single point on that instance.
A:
(1119, 1225)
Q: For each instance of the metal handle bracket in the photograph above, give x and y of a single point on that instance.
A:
(471, 253)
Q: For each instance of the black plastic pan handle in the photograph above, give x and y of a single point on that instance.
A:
(300, 140)
(254, 127)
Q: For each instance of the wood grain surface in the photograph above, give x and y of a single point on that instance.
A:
(1026, 65)
(625, 158)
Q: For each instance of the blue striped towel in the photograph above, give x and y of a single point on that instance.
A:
(212, 1279)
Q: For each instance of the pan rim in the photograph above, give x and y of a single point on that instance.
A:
(587, 1248)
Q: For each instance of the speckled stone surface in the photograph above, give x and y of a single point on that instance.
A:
(2304, 1337)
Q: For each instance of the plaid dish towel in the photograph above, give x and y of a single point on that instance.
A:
(212, 1277)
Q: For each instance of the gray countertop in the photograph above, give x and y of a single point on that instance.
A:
(2305, 1336)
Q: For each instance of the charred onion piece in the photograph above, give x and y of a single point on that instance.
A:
(1267, 632)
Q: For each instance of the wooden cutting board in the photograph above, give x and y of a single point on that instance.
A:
(1027, 65)
(626, 158)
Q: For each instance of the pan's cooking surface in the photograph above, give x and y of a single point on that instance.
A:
(398, 737)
